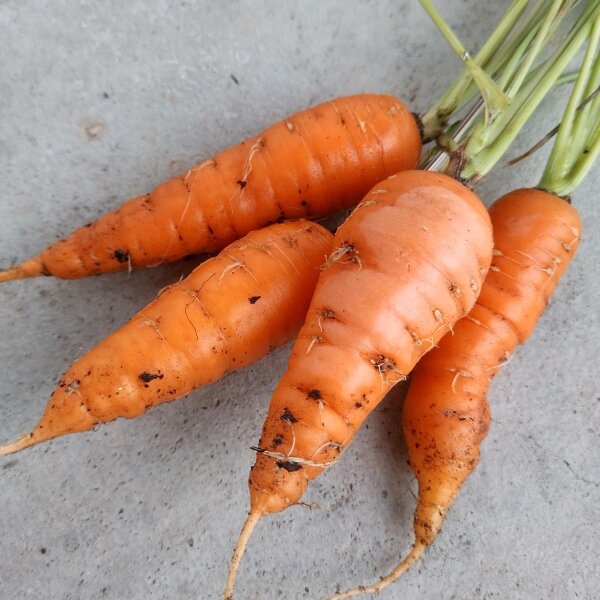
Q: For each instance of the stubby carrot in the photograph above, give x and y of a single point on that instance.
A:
(229, 312)
(406, 265)
(314, 163)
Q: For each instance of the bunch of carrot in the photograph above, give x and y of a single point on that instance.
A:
(418, 258)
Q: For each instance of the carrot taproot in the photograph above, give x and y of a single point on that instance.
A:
(314, 163)
(446, 412)
(406, 264)
(229, 312)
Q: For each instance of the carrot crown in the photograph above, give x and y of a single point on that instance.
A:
(518, 86)
(512, 46)
(577, 143)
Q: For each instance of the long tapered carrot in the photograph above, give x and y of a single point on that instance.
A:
(446, 413)
(536, 234)
(229, 312)
(406, 265)
(314, 163)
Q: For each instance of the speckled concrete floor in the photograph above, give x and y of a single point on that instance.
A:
(102, 100)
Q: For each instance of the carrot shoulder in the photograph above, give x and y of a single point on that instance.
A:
(311, 164)
(229, 312)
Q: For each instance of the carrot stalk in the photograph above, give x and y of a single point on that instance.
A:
(488, 142)
(493, 98)
(507, 51)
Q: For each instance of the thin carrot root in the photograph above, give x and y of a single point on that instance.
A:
(254, 517)
(26, 441)
(411, 558)
(29, 268)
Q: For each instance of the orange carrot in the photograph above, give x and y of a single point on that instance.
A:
(314, 163)
(446, 413)
(229, 312)
(536, 234)
(407, 264)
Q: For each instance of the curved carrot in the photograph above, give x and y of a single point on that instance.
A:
(407, 264)
(229, 312)
(446, 413)
(312, 164)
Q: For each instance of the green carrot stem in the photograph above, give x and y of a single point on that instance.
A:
(493, 98)
(459, 93)
(500, 55)
(578, 141)
(590, 114)
(483, 151)
(553, 17)
(561, 158)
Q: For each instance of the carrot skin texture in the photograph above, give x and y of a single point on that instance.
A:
(228, 313)
(406, 265)
(446, 411)
(314, 163)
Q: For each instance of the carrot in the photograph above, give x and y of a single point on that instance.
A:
(314, 163)
(446, 413)
(229, 312)
(407, 264)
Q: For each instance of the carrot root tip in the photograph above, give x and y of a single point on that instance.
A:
(29, 268)
(411, 557)
(254, 517)
(19, 444)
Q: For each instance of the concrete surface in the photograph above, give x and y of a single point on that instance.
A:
(102, 100)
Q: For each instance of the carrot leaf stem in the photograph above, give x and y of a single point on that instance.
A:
(577, 142)
(507, 55)
(494, 99)
(462, 91)
(516, 80)
(488, 143)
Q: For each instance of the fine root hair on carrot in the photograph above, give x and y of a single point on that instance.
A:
(414, 554)
(254, 516)
(345, 249)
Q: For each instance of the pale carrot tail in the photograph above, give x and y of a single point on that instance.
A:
(411, 558)
(25, 441)
(29, 268)
(254, 517)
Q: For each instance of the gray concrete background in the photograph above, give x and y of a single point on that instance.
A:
(103, 100)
